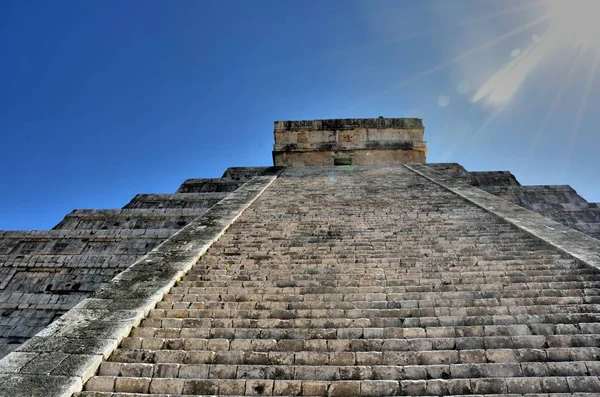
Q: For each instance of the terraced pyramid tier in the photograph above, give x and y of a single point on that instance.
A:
(371, 281)
(44, 273)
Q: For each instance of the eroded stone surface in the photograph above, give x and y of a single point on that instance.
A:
(348, 280)
(572, 242)
(349, 141)
(560, 203)
(75, 343)
(371, 281)
(43, 274)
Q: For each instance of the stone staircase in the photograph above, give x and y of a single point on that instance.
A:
(557, 202)
(44, 273)
(370, 281)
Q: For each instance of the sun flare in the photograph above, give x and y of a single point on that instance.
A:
(574, 23)
(569, 24)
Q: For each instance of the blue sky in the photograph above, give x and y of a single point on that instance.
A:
(105, 99)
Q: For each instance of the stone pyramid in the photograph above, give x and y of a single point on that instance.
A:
(350, 268)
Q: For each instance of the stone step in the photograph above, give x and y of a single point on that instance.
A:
(166, 388)
(244, 174)
(241, 284)
(229, 277)
(206, 185)
(356, 258)
(40, 301)
(328, 275)
(224, 271)
(78, 242)
(350, 248)
(38, 282)
(83, 242)
(110, 394)
(370, 267)
(488, 178)
(483, 385)
(354, 293)
(389, 301)
(434, 231)
(222, 328)
(555, 196)
(397, 301)
(418, 354)
(129, 219)
(543, 207)
(390, 294)
(175, 200)
(416, 316)
(414, 339)
(536, 328)
(368, 344)
(424, 279)
(467, 238)
(562, 331)
(253, 279)
(71, 261)
(391, 309)
(289, 371)
(241, 317)
(230, 267)
(248, 294)
(67, 234)
(588, 215)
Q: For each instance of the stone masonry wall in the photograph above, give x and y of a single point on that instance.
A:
(360, 157)
(560, 203)
(44, 273)
(361, 141)
(370, 281)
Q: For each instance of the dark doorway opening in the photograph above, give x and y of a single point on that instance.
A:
(342, 161)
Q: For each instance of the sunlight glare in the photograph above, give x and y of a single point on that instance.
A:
(505, 83)
(570, 24)
(566, 82)
(574, 23)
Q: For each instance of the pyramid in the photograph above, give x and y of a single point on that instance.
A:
(352, 267)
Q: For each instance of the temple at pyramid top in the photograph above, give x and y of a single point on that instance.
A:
(373, 141)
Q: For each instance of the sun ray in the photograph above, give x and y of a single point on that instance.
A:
(336, 54)
(557, 99)
(582, 107)
(474, 50)
(499, 111)
(484, 46)
(574, 23)
(431, 32)
(505, 83)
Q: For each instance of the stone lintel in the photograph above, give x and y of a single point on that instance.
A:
(63, 356)
(569, 241)
(349, 157)
(374, 145)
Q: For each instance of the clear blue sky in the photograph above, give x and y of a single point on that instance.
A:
(101, 100)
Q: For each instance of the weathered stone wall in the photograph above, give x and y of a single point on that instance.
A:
(360, 157)
(56, 361)
(559, 202)
(350, 124)
(45, 273)
(355, 280)
(363, 141)
(370, 281)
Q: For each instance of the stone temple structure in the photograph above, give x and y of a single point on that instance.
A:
(350, 268)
